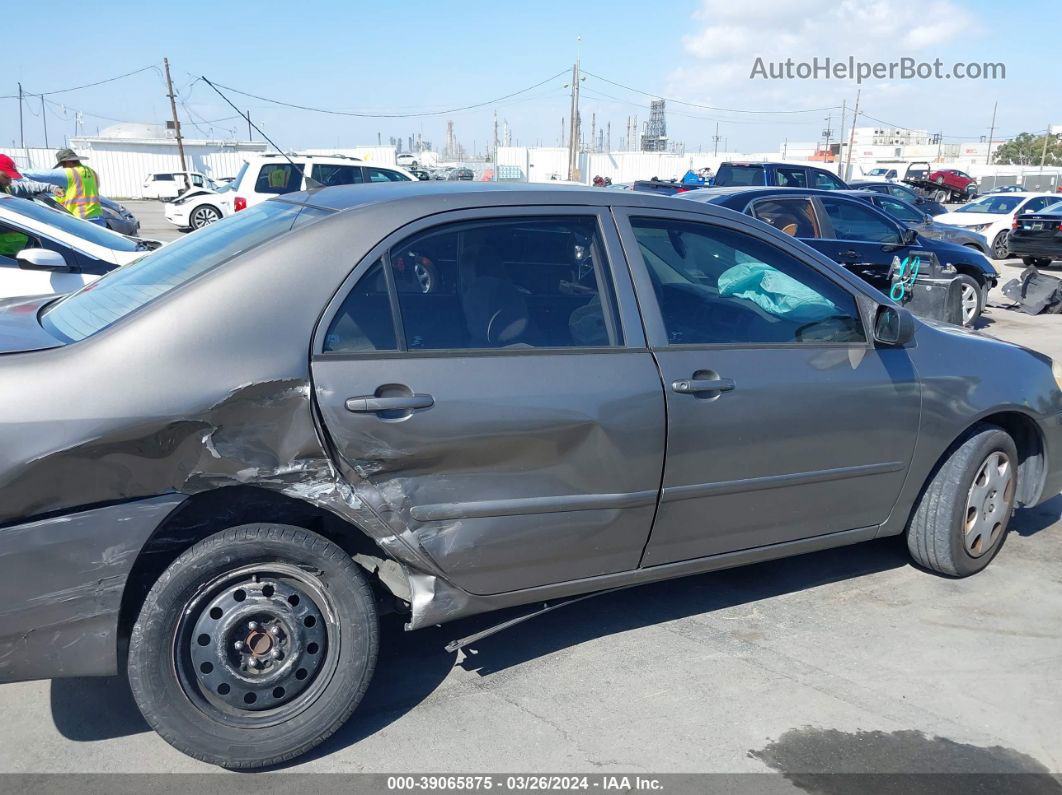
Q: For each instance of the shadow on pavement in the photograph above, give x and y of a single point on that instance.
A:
(1029, 521)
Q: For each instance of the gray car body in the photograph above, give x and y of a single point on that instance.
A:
(537, 474)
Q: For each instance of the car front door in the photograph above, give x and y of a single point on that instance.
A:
(484, 379)
(784, 421)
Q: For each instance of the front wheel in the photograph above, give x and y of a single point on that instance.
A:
(961, 518)
(971, 298)
(254, 646)
(1001, 245)
(204, 215)
(1037, 262)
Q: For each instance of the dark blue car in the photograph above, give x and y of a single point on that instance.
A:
(782, 175)
(859, 236)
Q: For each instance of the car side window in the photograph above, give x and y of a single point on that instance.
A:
(364, 321)
(718, 285)
(337, 174)
(1038, 203)
(505, 283)
(383, 175)
(791, 178)
(900, 211)
(827, 181)
(852, 221)
(795, 217)
(13, 241)
(278, 178)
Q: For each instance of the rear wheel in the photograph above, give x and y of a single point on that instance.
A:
(254, 646)
(1001, 245)
(203, 215)
(961, 518)
(1037, 262)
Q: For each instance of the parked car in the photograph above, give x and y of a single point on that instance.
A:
(924, 223)
(880, 175)
(660, 186)
(461, 174)
(904, 192)
(44, 251)
(786, 175)
(860, 237)
(198, 207)
(307, 445)
(171, 184)
(117, 217)
(1008, 189)
(1036, 236)
(993, 216)
(420, 174)
(407, 160)
(264, 176)
(956, 181)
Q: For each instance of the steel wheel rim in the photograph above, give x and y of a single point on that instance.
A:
(988, 504)
(204, 216)
(969, 303)
(283, 687)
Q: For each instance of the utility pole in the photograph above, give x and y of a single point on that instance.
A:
(940, 144)
(840, 140)
(593, 131)
(44, 121)
(21, 131)
(173, 107)
(991, 132)
(827, 133)
(573, 136)
(250, 137)
(715, 140)
(495, 140)
(562, 133)
(1043, 155)
(608, 136)
(851, 138)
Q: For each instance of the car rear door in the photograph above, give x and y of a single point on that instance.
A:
(483, 379)
(784, 422)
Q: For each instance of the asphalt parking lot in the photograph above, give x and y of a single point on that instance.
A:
(850, 660)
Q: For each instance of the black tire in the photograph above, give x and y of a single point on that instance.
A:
(1001, 245)
(1042, 262)
(204, 215)
(969, 289)
(248, 580)
(937, 534)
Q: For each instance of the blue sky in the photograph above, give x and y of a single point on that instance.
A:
(418, 56)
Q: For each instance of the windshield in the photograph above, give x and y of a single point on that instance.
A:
(127, 289)
(739, 175)
(60, 219)
(996, 205)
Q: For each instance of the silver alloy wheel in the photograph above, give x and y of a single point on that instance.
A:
(969, 303)
(201, 216)
(988, 504)
(1001, 245)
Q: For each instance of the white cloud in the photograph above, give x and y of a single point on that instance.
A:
(731, 35)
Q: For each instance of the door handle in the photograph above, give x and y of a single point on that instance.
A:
(368, 404)
(693, 386)
(850, 254)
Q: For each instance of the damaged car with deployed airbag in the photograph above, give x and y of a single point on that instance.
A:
(220, 464)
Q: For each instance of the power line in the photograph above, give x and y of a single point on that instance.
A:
(391, 115)
(596, 94)
(87, 85)
(706, 107)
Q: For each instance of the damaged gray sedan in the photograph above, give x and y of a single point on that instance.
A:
(218, 464)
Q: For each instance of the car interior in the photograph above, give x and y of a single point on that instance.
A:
(504, 284)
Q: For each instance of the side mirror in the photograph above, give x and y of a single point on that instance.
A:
(41, 259)
(893, 326)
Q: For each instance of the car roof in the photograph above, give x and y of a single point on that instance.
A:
(460, 195)
(707, 194)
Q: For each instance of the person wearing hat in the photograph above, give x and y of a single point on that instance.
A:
(12, 182)
(80, 185)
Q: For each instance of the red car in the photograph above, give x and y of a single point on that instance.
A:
(954, 179)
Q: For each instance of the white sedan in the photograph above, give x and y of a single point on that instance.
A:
(993, 214)
(46, 251)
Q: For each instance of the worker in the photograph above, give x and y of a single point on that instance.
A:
(80, 184)
(12, 182)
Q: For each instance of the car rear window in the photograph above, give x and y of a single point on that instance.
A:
(127, 289)
(739, 175)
